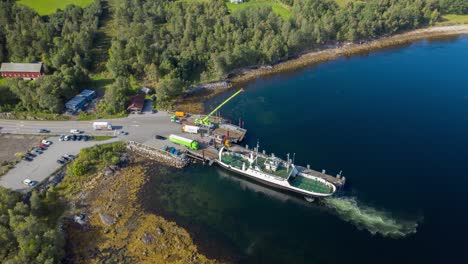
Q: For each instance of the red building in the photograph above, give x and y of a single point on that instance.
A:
(136, 104)
(27, 71)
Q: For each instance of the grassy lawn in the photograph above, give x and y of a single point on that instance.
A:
(2, 81)
(99, 82)
(453, 19)
(101, 138)
(87, 117)
(278, 8)
(47, 7)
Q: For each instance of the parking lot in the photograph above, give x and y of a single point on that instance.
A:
(44, 164)
(141, 128)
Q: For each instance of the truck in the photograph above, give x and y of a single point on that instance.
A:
(190, 143)
(180, 114)
(102, 126)
(190, 129)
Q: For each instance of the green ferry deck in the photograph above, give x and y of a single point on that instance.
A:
(311, 185)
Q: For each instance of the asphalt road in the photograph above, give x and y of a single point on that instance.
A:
(43, 165)
(141, 128)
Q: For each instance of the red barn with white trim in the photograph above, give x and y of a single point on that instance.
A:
(27, 71)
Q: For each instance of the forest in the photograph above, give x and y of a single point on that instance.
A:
(160, 42)
(29, 232)
(62, 41)
(170, 45)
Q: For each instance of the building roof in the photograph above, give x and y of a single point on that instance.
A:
(75, 103)
(87, 93)
(21, 67)
(137, 102)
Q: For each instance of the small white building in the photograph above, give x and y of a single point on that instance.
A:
(236, 1)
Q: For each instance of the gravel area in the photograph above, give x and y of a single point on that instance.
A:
(11, 144)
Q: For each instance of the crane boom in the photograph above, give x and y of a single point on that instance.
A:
(206, 121)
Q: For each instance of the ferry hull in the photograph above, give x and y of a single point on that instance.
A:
(271, 184)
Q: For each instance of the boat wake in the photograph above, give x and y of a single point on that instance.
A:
(370, 219)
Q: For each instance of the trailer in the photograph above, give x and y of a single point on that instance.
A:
(102, 126)
(190, 129)
(190, 143)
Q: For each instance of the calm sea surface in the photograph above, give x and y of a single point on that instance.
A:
(394, 121)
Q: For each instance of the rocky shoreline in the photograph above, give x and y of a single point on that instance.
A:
(194, 104)
(106, 223)
(348, 49)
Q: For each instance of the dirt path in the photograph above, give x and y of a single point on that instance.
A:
(104, 36)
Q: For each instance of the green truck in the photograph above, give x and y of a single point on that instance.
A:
(190, 143)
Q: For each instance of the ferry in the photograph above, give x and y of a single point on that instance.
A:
(275, 172)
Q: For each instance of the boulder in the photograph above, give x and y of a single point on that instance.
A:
(147, 238)
(106, 219)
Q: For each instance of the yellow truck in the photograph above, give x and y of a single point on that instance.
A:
(180, 114)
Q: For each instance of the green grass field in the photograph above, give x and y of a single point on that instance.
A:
(279, 8)
(47, 7)
(2, 81)
(343, 3)
(454, 19)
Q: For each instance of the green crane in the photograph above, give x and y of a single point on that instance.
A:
(206, 121)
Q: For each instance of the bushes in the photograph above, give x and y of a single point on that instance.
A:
(87, 163)
(92, 158)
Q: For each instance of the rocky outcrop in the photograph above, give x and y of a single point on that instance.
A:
(158, 155)
(106, 219)
(209, 86)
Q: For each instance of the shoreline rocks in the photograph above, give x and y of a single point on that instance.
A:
(158, 155)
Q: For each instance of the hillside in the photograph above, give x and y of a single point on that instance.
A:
(279, 8)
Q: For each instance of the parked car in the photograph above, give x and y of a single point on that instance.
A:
(73, 137)
(79, 137)
(38, 151)
(121, 132)
(65, 158)
(27, 181)
(75, 131)
(66, 138)
(70, 156)
(85, 137)
(46, 142)
(60, 161)
(27, 158)
(29, 154)
(42, 147)
(160, 137)
(44, 131)
(61, 138)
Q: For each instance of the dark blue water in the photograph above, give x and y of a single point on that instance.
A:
(395, 122)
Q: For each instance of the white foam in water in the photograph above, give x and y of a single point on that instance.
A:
(370, 219)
